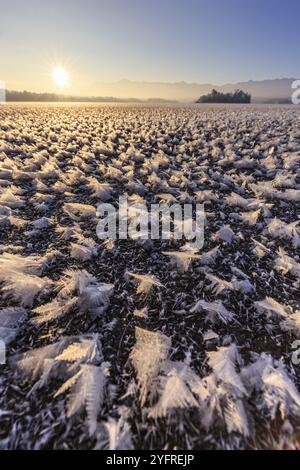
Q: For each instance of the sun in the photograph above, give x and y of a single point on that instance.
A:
(60, 77)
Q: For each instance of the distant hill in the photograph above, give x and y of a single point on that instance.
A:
(265, 91)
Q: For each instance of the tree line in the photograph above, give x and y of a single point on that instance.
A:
(238, 96)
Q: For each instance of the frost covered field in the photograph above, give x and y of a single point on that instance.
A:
(138, 344)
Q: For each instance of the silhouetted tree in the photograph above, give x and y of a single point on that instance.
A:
(238, 96)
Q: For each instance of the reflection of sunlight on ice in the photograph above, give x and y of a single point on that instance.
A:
(2, 92)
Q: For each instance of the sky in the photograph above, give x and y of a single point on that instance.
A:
(203, 41)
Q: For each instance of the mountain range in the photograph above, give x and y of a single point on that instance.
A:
(262, 91)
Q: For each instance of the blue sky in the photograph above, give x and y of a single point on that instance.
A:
(216, 41)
